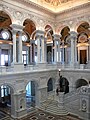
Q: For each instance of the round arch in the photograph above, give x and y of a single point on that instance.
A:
(51, 26)
(8, 13)
(60, 27)
(64, 84)
(30, 18)
(50, 85)
(81, 82)
(79, 23)
(31, 93)
(9, 85)
(29, 26)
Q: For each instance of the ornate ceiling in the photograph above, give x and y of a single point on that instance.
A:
(58, 5)
(57, 2)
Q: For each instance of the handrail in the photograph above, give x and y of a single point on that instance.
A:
(52, 98)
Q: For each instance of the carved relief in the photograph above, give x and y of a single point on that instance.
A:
(84, 105)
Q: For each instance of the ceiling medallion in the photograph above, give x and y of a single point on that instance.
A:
(56, 2)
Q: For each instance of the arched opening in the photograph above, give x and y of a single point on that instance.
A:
(64, 85)
(28, 55)
(65, 45)
(30, 94)
(5, 39)
(50, 85)
(81, 82)
(82, 42)
(49, 43)
(6, 98)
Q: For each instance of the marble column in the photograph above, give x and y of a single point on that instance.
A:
(31, 54)
(43, 50)
(14, 45)
(41, 53)
(20, 47)
(63, 55)
(38, 50)
(0, 56)
(17, 64)
(89, 53)
(56, 47)
(73, 37)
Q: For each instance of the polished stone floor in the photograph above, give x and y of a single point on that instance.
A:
(41, 115)
(38, 115)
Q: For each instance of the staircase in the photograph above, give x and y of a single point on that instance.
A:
(51, 106)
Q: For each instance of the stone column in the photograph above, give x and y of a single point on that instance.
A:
(43, 49)
(63, 55)
(41, 41)
(33, 47)
(73, 37)
(89, 53)
(0, 55)
(20, 47)
(14, 45)
(30, 53)
(38, 50)
(56, 47)
(17, 66)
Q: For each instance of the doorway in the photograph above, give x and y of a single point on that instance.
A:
(83, 56)
(30, 95)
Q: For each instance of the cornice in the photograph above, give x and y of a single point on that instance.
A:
(74, 8)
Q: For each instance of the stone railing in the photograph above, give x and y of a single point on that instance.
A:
(78, 102)
(41, 66)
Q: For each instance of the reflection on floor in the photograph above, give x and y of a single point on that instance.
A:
(41, 115)
(38, 115)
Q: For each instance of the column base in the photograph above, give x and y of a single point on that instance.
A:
(20, 113)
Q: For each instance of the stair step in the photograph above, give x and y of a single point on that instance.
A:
(53, 108)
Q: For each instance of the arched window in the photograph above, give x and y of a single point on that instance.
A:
(5, 34)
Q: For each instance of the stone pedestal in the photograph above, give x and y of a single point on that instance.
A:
(18, 105)
(18, 67)
(61, 104)
(85, 102)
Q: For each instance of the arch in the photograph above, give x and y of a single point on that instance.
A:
(8, 13)
(50, 26)
(79, 23)
(50, 85)
(12, 87)
(81, 82)
(5, 21)
(64, 84)
(29, 26)
(60, 27)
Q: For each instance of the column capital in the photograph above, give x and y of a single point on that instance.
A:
(57, 37)
(16, 27)
(39, 33)
(73, 34)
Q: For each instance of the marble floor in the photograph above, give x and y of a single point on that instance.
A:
(41, 115)
(38, 115)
